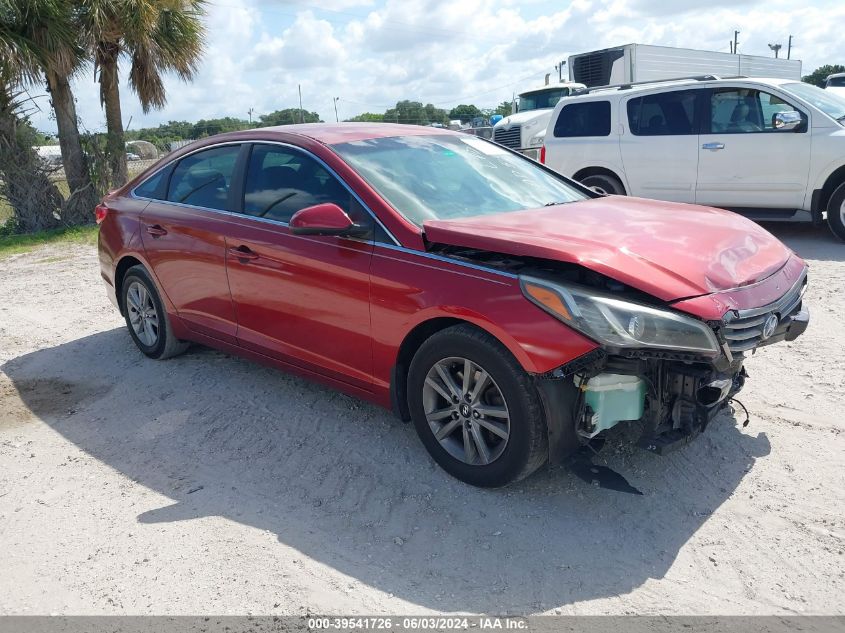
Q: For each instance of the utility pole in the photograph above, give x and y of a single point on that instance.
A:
(301, 113)
(789, 48)
(776, 48)
(336, 118)
(249, 112)
(736, 43)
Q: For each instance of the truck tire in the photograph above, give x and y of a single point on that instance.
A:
(836, 212)
(604, 183)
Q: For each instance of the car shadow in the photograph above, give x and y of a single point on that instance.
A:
(810, 242)
(350, 486)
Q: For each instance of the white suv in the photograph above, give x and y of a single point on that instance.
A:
(751, 145)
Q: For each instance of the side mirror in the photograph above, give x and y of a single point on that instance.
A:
(787, 121)
(323, 219)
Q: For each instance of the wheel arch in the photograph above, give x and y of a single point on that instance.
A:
(831, 183)
(411, 343)
(123, 265)
(599, 171)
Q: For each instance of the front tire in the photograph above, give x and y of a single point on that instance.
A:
(604, 183)
(146, 318)
(475, 409)
(836, 212)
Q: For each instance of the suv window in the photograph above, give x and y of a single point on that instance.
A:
(591, 118)
(203, 179)
(663, 114)
(280, 181)
(744, 110)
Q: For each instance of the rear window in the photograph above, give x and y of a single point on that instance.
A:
(591, 118)
(663, 114)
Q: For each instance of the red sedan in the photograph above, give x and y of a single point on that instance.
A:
(512, 314)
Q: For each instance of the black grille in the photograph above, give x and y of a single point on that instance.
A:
(594, 69)
(743, 329)
(508, 138)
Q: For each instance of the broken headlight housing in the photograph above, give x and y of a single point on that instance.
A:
(618, 323)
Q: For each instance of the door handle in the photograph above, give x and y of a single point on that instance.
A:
(243, 253)
(713, 146)
(156, 231)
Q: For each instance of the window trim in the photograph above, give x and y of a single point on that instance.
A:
(707, 110)
(241, 176)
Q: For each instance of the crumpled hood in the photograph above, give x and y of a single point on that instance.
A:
(668, 250)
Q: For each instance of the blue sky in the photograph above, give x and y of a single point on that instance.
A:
(371, 53)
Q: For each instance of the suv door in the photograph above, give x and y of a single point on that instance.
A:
(660, 145)
(182, 232)
(744, 162)
(301, 299)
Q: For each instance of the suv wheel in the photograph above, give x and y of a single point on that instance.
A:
(603, 183)
(475, 409)
(146, 318)
(836, 212)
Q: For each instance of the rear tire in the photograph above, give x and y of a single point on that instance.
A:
(836, 212)
(146, 318)
(495, 432)
(604, 183)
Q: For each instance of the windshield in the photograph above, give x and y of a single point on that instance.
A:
(836, 82)
(445, 176)
(831, 104)
(540, 100)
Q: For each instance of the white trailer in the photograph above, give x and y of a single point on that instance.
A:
(633, 63)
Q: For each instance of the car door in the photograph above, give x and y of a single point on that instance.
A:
(302, 299)
(744, 161)
(183, 230)
(659, 145)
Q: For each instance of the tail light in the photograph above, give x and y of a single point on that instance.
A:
(100, 213)
(543, 154)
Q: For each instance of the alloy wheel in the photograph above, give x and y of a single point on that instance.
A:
(143, 316)
(466, 411)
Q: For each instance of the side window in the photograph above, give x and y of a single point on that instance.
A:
(280, 181)
(583, 119)
(154, 186)
(771, 105)
(745, 110)
(663, 114)
(203, 179)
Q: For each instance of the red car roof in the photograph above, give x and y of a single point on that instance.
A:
(331, 133)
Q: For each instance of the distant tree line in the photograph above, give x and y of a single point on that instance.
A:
(818, 76)
(162, 135)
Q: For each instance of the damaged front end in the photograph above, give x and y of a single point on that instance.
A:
(672, 370)
(674, 394)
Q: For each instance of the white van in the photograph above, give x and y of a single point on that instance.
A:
(752, 145)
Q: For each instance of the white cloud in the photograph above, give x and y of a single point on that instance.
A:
(371, 53)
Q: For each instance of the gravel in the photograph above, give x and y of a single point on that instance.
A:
(210, 485)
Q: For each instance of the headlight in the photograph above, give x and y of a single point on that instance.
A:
(537, 140)
(618, 323)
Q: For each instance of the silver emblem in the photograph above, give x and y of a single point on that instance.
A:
(769, 326)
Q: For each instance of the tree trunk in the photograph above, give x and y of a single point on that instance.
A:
(79, 207)
(107, 54)
(36, 203)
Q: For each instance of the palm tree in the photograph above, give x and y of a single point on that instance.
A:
(157, 36)
(38, 41)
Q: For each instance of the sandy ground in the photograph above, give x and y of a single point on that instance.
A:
(207, 484)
